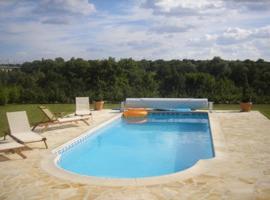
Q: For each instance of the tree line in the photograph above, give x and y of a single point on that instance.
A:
(60, 81)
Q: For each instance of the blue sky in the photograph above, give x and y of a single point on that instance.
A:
(141, 29)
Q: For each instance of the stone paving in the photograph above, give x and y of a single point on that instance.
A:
(243, 174)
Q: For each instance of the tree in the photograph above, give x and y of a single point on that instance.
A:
(51, 81)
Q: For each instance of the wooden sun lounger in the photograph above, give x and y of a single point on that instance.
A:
(82, 106)
(51, 118)
(20, 129)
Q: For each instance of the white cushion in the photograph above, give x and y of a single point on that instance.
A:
(28, 136)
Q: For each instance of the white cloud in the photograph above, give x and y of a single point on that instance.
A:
(248, 5)
(236, 35)
(263, 32)
(161, 29)
(47, 11)
(183, 7)
(171, 28)
(168, 5)
(236, 43)
(191, 7)
(233, 35)
(73, 6)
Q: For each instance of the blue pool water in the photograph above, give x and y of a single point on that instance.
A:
(166, 143)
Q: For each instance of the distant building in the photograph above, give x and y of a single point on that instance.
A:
(4, 67)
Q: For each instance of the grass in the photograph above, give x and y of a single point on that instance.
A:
(35, 115)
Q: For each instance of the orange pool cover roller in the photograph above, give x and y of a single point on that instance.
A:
(136, 112)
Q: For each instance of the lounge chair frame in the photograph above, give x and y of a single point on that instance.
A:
(51, 118)
(22, 142)
(16, 150)
(26, 122)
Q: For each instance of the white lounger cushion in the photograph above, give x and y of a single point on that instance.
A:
(7, 145)
(167, 103)
(82, 106)
(18, 122)
(29, 137)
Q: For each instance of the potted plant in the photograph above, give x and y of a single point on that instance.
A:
(246, 103)
(99, 101)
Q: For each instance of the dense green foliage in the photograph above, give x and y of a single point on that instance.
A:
(59, 81)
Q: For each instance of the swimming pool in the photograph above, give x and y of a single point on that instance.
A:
(165, 143)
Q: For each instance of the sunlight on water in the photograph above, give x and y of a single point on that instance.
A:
(162, 145)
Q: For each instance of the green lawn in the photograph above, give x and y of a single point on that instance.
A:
(35, 114)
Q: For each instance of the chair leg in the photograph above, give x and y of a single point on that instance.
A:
(5, 134)
(44, 140)
(85, 122)
(20, 153)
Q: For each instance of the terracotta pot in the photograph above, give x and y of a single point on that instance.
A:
(99, 105)
(245, 107)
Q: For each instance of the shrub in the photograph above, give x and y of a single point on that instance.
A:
(3, 97)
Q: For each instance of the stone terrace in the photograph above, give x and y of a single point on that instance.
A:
(243, 174)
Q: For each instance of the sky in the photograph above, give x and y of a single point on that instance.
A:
(138, 29)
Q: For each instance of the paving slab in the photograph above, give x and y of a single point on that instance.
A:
(244, 173)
